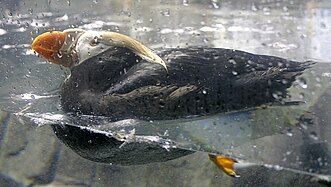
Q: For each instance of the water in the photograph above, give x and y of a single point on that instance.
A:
(289, 142)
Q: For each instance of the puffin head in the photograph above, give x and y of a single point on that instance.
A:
(74, 46)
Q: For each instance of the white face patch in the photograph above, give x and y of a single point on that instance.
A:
(89, 45)
(92, 43)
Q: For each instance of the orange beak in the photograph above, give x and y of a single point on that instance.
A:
(48, 45)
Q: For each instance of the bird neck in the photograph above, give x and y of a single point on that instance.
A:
(102, 70)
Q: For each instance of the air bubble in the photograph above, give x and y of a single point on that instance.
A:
(289, 132)
(323, 25)
(313, 135)
(275, 95)
(254, 8)
(318, 79)
(232, 61)
(162, 104)
(215, 4)
(266, 10)
(303, 83)
(278, 168)
(285, 9)
(304, 127)
(165, 12)
(185, 2)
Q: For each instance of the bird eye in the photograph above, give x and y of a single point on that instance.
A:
(95, 41)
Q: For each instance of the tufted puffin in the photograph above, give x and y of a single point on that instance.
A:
(117, 76)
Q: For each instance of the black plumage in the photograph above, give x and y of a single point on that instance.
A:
(199, 81)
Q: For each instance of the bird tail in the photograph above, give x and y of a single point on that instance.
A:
(304, 65)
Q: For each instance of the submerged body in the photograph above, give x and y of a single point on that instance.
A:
(200, 81)
(116, 76)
